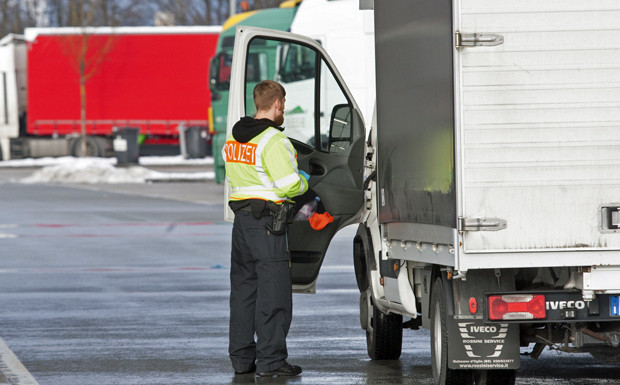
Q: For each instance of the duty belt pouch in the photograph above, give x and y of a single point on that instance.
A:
(281, 215)
(258, 208)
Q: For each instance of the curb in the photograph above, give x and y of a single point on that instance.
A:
(11, 368)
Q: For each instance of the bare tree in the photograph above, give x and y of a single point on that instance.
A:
(86, 52)
(61, 13)
(208, 19)
(198, 12)
(15, 16)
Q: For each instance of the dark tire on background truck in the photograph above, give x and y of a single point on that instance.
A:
(94, 147)
(442, 374)
(384, 333)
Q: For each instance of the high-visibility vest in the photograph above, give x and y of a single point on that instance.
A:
(263, 168)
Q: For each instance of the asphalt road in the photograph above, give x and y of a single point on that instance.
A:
(128, 284)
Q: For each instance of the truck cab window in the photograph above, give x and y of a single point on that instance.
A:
(256, 69)
(220, 71)
(298, 63)
(297, 73)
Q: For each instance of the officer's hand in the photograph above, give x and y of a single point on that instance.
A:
(304, 174)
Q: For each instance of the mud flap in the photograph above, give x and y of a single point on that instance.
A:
(473, 344)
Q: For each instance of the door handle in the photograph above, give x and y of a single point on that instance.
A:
(316, 169)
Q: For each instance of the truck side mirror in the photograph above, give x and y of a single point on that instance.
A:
(340, 128)
(219, 73)
(213, 78)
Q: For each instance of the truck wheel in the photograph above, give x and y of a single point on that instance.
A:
(93, 147)
(359, 261)
(384, 332)
(494, 377)
(442, 374)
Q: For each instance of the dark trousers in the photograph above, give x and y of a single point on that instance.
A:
(260, 295)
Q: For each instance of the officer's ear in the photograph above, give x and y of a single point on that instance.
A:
(280, 106)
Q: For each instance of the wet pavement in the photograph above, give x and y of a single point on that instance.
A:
(109, 284)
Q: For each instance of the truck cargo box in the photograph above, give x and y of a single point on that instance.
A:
(513, 138)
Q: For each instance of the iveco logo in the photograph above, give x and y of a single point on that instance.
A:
(555, 305)
(483, 329)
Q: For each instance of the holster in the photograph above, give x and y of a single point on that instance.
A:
(281, 215)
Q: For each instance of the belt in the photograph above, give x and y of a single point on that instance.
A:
(258, 208)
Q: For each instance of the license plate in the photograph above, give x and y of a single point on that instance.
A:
(614, 305)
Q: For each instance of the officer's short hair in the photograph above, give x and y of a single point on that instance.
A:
(266, 92)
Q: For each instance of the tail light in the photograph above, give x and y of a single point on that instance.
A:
(517, 307)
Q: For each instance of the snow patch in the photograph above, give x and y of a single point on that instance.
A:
(143, 161)
(103, 170)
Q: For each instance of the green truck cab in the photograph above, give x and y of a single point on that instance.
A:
(261, 67)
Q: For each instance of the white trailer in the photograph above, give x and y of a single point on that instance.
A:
(13, 89)
(347, 34)
(487, 194)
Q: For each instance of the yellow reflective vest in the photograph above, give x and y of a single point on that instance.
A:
(263, 168)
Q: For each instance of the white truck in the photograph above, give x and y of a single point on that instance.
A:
(346, 32)
(486, 194)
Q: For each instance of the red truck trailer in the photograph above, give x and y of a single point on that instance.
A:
(151, 78)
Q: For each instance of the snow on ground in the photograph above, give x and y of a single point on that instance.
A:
(143, 161)
(104, 170)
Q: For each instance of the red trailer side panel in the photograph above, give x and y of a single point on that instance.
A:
(152, 81)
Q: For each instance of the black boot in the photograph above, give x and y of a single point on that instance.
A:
(284, 370)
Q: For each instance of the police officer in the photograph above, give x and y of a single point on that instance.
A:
(261, 168)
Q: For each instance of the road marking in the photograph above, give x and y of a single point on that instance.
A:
(113, 269)
(12, 368)
(55, 230)
(120, 224)
(113, 224)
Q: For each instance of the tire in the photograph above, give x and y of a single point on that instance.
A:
(442, 374)
(384, 332)
(359, 262)
(93, 147)
(494, 377)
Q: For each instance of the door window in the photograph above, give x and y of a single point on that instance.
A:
(256, 67)
(314, 98)
(335, 115)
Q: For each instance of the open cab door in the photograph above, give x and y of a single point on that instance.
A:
(322, 121)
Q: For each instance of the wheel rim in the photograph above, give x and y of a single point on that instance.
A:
(437, 339)
(90, 149)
